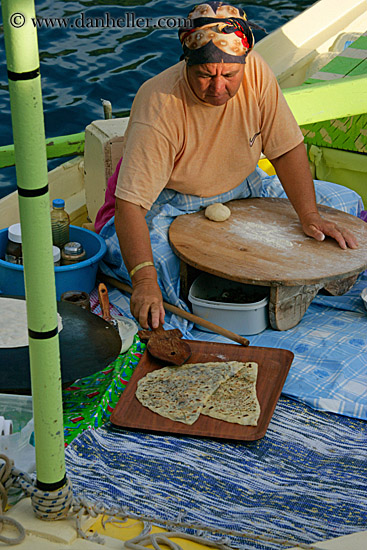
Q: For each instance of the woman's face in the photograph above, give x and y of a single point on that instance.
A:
(215, 83)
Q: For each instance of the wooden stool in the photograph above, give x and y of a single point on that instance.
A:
(262, 243)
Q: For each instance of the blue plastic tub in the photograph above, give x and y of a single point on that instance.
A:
(81, 276)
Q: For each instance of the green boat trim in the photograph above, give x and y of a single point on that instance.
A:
(57, 147)
(310, 104)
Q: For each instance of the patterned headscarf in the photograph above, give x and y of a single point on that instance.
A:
(220, 33)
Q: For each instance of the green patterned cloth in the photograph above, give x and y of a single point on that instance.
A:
(89, 402)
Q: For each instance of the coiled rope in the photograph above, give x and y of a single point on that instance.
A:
(5, 483)
(62, 504)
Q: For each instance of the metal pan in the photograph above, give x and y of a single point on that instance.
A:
(87, 345)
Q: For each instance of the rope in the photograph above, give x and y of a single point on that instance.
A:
(61, 504)
(144, 540)
(5, 482)
(47, 505)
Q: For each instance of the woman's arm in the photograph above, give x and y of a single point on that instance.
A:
(132, 231)
(294, 173)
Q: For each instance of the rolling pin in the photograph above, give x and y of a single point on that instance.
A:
(180, 312)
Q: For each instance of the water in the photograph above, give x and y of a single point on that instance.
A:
(79, 66)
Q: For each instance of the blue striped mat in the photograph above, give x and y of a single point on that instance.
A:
(304, 481)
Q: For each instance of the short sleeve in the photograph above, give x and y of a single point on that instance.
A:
(146, 167)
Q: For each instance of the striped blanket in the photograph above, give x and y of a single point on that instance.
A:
(304, 481)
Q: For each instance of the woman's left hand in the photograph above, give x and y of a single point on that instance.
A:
(317, 227)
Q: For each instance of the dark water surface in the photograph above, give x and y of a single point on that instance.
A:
(83, 62)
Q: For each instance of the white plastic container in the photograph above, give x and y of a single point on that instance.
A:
(208, 292)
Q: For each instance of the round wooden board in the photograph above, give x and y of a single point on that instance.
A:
(263, 243)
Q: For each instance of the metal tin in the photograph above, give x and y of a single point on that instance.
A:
(72, 253)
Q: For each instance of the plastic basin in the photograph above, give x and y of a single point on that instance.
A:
(206, 296)
(80, 276)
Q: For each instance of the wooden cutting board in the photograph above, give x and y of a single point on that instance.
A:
(273, 368)
(263, 243)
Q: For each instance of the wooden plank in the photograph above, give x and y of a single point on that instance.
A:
(341, 133)
(288, 304)
(341, 286)
(61, 146)
(360, 43)
(290, 49)
(326, 100)
(360, 69)
(65, 182)
(347, 133)
(341, 65)
(273, 368)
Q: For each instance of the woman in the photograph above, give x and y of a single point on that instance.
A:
(195, 136)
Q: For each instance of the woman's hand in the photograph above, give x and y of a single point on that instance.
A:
(146, 303)
(317, 227)
(294, 173)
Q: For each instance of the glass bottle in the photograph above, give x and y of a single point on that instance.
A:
(13, 252)
(60, 223)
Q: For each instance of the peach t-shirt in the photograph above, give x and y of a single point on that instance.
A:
(175, 140)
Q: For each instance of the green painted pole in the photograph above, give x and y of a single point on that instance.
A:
(327, 100)
(61, 146)
(34, 206)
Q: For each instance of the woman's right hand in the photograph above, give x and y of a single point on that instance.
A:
(146, 303)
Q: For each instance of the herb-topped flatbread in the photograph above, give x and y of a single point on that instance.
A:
(236, 400)
(180, 393)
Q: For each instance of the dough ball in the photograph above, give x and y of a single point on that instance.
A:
(217, 212)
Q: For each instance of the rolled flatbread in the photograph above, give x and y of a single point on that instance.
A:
(13, 323)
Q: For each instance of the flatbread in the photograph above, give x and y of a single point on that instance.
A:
(236, 400)
(13, 323)
(180, 393)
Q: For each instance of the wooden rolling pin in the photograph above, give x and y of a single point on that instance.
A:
(180, 312)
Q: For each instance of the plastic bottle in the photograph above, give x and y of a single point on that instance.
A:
(60, 223)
